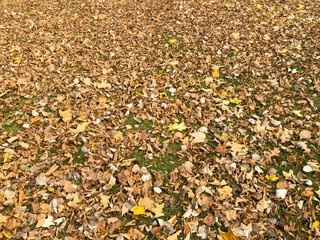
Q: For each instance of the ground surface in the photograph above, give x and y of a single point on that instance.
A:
(159, 119)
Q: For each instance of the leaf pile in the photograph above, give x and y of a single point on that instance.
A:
(159, 119)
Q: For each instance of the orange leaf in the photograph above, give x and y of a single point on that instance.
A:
(229, 235)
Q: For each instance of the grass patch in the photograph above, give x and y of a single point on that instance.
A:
(79, 157)
(144, 125)
(317, 102)
(13, 128)
(165, 163)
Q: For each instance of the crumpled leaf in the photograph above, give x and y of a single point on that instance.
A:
(225, 192)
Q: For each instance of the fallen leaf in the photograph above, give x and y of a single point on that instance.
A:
(138, 210)
(225, 192)
(216, 73)
(305, 134)
(273, 178)
(180, 127)
(281, 193)
(104, 200)
(18, 60)
(235, 100)
(199, 137)
(66, 115)
(316, 224)
(157, 209)
(229, 235)
(80, 128)
(87, 81)
(297, 112)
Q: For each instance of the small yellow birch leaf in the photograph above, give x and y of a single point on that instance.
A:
(235, 100)
(180, 127)
(297, 112)
(259, 6)
(172, 40)
(273, 178)
(18, 61)
(224, 93)
(161, 94)
(139, 210)
(223, 138)
(316, 224)
(82, 117)
(5, 158)
(170, 128)
(216, 73)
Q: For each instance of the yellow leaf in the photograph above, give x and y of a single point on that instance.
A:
(235, 100)
(5, 158)
(223, 138)
(259, 7)
(216, 73)
(180, 127)
(170, 127)
(82, 117)
(118, 135)
(224, 93)
(7, 234)
(297, 112)
(18, 61)
(273, 178)
(161, 94)
(172, 40)
(139, 210)
(229, 235)
(316, 224)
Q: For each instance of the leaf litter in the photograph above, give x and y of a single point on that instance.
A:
(167, 120)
